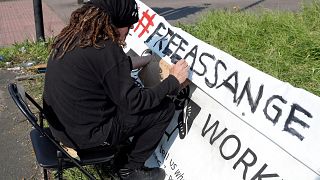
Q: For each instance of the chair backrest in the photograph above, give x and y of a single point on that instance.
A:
(19, 96)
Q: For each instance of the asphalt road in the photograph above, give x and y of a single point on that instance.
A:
(187, 11)
(17, 159)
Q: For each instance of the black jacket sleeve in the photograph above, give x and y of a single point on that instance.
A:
(123, 91)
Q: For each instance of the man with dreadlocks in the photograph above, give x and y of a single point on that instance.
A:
(89, 96)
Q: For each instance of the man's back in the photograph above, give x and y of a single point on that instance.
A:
(74, 91)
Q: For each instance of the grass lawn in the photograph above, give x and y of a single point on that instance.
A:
(285, 45)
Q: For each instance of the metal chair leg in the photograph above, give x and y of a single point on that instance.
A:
(45, 174)
(59, 170)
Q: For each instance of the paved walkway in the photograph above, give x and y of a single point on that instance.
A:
(17, 21)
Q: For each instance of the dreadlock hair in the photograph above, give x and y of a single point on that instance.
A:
(88, 25)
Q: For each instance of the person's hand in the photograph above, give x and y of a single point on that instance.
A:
(180, 70)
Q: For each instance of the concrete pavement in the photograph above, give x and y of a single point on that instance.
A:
(17, 21)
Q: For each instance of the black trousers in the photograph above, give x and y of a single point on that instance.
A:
(146, 128)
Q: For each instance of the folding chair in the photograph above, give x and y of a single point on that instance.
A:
(49, 153)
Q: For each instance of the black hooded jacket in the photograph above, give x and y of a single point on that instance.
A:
(84, 89)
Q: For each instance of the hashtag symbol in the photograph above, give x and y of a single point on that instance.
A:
(149, 18)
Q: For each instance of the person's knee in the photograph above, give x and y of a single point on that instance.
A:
(169, 109)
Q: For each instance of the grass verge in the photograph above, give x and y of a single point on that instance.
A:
(285, 45)
(27, 51)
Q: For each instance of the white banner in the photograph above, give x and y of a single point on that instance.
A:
(234, 121)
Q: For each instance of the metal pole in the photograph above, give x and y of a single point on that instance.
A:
(38, 19)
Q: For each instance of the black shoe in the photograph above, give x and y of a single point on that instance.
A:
(143, 173)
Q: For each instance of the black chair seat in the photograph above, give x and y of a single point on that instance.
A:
(46, 153)
(44, 149)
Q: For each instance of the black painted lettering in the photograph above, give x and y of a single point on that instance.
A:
(232, 88)
(261, 176)
(193, 54)
(164, 38)
(215, 126)
(246, 164)
(204, 68)
(172, 164)
(167, 51)
(175, 55)
(169, 134)
(211, 57)
(293, 118)
(163, 152)
(279, 111)
(156, 32)
(247, 89)
(209, 84)
(235, 152)
(178, 174)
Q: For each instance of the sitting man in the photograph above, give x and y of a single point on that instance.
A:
(89, 96)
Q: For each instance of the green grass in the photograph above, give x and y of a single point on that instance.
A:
(25, 52)
(285, 45)
(75, 173)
